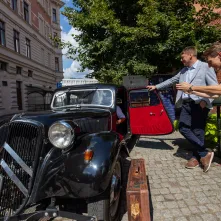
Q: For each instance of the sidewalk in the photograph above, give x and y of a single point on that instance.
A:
(177, 193)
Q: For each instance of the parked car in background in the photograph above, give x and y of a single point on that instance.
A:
(69, 161)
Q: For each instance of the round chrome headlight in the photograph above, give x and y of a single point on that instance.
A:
(61, 134)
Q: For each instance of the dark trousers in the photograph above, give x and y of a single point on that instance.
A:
(192, 126)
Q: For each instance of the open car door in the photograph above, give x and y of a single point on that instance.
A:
(147, 114)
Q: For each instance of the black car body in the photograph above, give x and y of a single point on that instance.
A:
(70, 154)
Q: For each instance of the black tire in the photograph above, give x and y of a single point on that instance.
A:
(102, 209)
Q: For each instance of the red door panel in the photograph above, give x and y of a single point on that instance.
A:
(147, 114)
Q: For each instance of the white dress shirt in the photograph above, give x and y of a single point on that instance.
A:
(120, 114)
(189, 76)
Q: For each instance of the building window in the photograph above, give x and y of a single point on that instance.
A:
(56, 64)
(16, 41)
(43, 56)
(46, 6)
(3, 66)
(41, 26)
(28, 47)
(30, 73)
(26, 12)
(14, 5)
(49, 60)
(47, 30)
(2, 33)
(4, 83)
(54, 17)
(18, 70)
(55, 39)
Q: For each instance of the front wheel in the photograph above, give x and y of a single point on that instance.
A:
(108, 209)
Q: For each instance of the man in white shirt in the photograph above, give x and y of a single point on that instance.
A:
(194, 109)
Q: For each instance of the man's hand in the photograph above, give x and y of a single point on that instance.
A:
(203, 104)
(119, 121)
(184, 86)
(151, 87)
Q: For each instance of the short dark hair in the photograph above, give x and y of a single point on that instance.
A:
(213, 50)
(190, 50)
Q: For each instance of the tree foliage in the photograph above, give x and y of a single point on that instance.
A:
(138, 37)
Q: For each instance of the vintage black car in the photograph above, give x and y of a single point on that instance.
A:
(61, 160)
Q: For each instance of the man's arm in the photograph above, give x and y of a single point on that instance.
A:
(120, 115)
(166, 83)
(211, 89)
(175, 79)
(206, 95)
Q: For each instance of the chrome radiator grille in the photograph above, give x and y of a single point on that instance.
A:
(19, 158)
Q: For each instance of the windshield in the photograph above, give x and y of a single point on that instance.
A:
(93, 97)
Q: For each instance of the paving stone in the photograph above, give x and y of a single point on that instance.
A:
(181, 204)
(178, 196)
(164, 191)
(214, 207)
(159, 198)
(176, 212)
(167, 214)
(169, 197)
(182, 218)
(195, 210)
(208, 217)
(203, 209)
(171, 205)
(218, 215)
(191, 202)
(175, 190)
(185, 211)
(195, 218)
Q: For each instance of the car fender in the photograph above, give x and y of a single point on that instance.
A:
(66, 174)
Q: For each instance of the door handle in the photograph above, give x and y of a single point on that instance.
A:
(152, 114)
(161, 112)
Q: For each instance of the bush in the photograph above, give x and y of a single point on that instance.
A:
(211, 133)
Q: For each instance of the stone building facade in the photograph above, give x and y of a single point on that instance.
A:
(30, 62)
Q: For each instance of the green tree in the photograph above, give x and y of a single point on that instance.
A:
(138, 37)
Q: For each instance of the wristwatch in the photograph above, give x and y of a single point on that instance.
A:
(190, 89)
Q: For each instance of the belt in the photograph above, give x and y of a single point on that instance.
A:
(188, 101)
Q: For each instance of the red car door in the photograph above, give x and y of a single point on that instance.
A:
(147, 113)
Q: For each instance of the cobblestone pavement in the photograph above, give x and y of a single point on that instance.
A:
(176, 193)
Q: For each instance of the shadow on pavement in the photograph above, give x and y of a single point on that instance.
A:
(150, 200)
(184, 148)
(132, 142)
(154, 145)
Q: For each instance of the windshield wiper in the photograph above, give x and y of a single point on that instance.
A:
(90, 93)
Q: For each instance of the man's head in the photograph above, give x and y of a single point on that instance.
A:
(213, 56)
(189, 56)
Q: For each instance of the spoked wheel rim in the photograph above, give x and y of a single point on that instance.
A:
(115, 190)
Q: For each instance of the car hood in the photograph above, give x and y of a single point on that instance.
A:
(49, 117)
